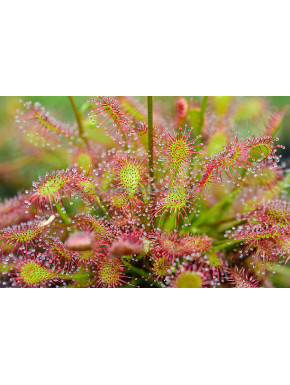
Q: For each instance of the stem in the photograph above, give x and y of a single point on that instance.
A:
(125, 141)
(136, 270)
(212, 210)
(226, 244)
(101, 206)
(79, 120)
(150, 139)
(141, 272)
(63, 215)
(202, 113)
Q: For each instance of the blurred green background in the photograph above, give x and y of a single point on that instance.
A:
(20, 164)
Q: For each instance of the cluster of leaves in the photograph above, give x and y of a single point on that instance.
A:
(212, 212)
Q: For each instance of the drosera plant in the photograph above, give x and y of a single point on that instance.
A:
(189, 200)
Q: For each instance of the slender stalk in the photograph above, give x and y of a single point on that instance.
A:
(142, 273)
(79, 120)
(213, 210)
(150, 148)
(227, 244)
(62, 214)
(101, 206)
(150, 139)
(125, 141)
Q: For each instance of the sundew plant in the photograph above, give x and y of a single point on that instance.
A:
(189, 199)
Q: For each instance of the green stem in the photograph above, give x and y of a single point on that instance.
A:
(212, 211)
(226, 244)
(79, 120)
(101, 206)
(63, 215)
(150, 139)
(141, 273)
(202, 114)
(136, 270)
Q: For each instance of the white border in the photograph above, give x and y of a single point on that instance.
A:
(146, 336)
(155, 47)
